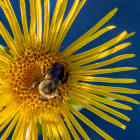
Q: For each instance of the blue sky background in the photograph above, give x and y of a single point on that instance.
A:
(127, 18)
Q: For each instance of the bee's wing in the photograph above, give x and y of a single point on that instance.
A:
(56, 72)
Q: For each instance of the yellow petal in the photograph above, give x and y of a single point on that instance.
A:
(32, 30)
(103, 107)
(59, 23)
(87, 121)
(92, 30)
(96, 111)
(100, 55)
(84, 42)
(100, 48)
(53, 22)
(106, 101)
(101, 79)
(16, 26)
(102, 71)
(24, 22)
(39, 22)
(10, 127)
(104, 63)
(106, 88)
(46, 22)
(75, 123)
(71, 128)
(68, 22)
(9, 41)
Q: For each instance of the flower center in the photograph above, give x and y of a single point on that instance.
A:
(24, 72)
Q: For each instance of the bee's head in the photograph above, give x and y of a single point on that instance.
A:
(48, 89)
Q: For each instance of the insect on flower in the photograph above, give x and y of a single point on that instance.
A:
(48, 87)
(38, 81)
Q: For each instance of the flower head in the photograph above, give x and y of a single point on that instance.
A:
(28, 58)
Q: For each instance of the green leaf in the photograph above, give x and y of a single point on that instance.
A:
(5, 50)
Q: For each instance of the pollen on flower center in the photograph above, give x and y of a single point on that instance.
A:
(23, 73)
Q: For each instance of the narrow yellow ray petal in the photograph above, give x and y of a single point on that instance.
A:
(102, 71)
(25, 127)
(46, 21)
(9, 40)
(103, 107)
(101, 79)
(61, 129)
(129, 35)
(74, 122)
(86, 121)
(2, 58)
(70, 126)
(32, 30)
(55, 130)
(49, 128)
(68, 22)
(24, 21)
(73, 49)
(19, 125)
(39, 22)
(104, 63)
(5, 114)
(53, 22)
(43, 125)
(30, 130)
(97, 111)
(100, 48)
(100, 55)
(34, 129)
(3, 98)
(93, 29)
(13, 26)
(107, 88)
(10, 127)
(102, 100)
(59, 23)
(108, 94)
(3, 65)
(17, 27)
(7, 119)
(63, 125)
(53, 126)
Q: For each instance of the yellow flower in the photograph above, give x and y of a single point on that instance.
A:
(20, 68)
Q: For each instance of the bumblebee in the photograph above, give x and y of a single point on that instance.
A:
(48, 87)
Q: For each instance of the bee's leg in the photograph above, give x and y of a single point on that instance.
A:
(65, 80)
(60, 97)
(43, 69)
(33, 86)
(41, 98)
(43, 104)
